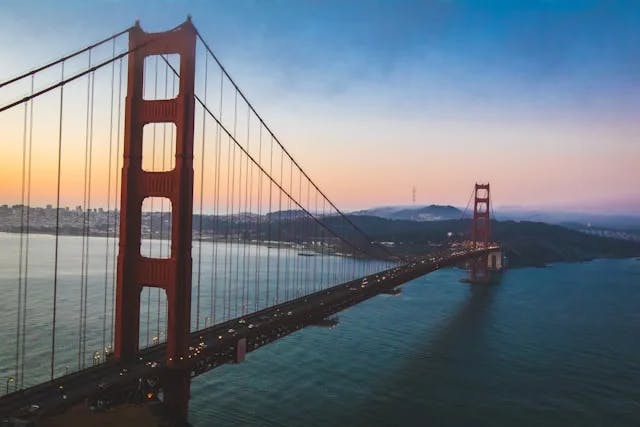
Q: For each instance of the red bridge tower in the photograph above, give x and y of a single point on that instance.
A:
(481, 232)
(172, 274)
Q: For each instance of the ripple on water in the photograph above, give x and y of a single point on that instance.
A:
(545, 347)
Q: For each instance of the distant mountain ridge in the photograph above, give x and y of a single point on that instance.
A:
(526, 243)
(414, 213)
(630, 221)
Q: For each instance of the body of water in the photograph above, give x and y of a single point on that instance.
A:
(229, 280)
(557, 346)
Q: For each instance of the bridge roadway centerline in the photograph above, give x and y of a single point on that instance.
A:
(214, 346)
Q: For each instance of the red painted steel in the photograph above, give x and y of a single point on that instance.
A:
(134, 270)
(481, 232)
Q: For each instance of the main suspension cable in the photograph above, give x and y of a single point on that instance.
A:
(237, 144)
(65, 58)
(246, 100)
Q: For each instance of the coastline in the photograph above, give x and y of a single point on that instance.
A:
(531, 264)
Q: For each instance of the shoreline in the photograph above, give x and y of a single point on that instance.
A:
(210, 239)
(292, 246)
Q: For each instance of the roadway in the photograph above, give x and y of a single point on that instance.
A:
(113, 382)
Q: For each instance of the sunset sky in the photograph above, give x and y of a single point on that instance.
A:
(540, 98)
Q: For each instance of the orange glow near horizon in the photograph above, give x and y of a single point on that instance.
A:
(443, 173)
(363, 159)
(549, 121)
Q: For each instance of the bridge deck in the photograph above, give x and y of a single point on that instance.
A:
(216, 345)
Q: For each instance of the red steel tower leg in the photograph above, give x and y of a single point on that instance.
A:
(135, 271)
(481, 232)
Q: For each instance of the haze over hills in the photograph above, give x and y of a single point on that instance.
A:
(621, 226)
(414, 213)
(572, 219)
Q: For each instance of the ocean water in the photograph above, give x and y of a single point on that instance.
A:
(556, 346)
(229, 280)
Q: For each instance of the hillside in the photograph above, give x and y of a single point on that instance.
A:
(526, 243)
(414, 213)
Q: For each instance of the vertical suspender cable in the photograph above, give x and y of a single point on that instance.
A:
(204, 116)
(115, 204)
(172, 150)
(308, 238)
(270, 228)
(275, 294)
(161, 237)
(151, 212)
(279, 231)
(239, 232)
(57, 245)
(247, 206)
(214, 263)
(288, 220)
(84, 219)
(19, 369)
(246, 222)
(256, 295)
(322, 260)
(233, 188)
(214, 243)
(299, 221)
(227, 226)
(106, 252)
(28, 227)
(88, 245)
(315, 240)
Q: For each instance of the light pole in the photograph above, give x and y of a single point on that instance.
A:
(11, 380)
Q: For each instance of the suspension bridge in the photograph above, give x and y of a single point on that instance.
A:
(180, 233)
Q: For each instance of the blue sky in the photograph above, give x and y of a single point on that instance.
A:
(540, 97)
